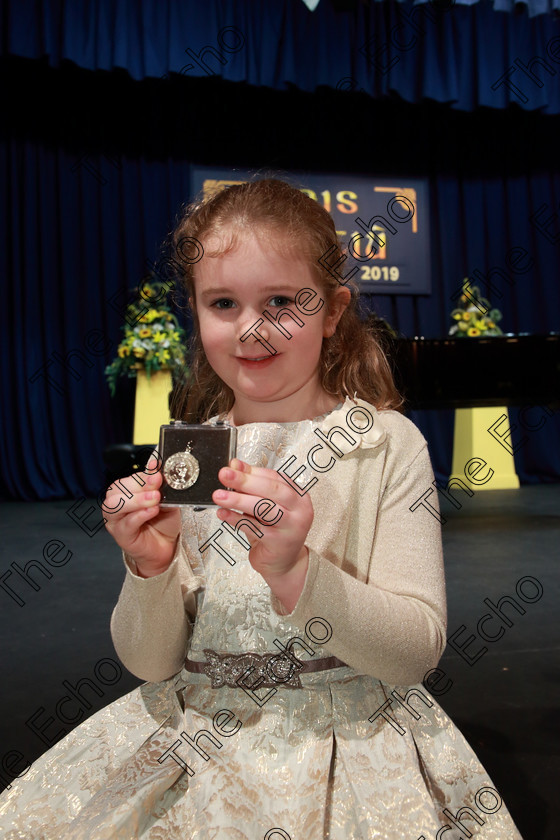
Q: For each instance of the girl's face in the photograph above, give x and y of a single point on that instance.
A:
(232, 292)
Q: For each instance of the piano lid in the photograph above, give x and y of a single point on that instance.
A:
(513, 369)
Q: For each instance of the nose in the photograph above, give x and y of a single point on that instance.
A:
(256, 331)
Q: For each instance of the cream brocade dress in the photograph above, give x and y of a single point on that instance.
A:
(308, 763)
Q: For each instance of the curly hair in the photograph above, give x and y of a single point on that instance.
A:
(352, 361)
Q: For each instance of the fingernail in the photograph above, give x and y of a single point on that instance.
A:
(220, 494)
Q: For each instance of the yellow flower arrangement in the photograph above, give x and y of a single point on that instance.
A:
(155, 347)
(469, 319)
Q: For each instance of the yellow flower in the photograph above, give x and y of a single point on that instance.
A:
(466, 316)
(143, 319)
(163, 355)
(473, 331)
(139, 352)
(491, 324)
(124, 351)
(457, 316)
(480, 325)
(462, 326)
(145, 332)
(159, 336)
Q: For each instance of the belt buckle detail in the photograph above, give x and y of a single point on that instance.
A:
(268, 670)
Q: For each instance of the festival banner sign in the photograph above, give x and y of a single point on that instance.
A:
(382, 222)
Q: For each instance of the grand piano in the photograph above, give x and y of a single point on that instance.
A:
(506, 370)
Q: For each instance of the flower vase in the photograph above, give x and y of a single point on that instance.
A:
(151, 409)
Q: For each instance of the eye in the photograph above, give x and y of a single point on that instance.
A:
(217, 303)
(286, 300)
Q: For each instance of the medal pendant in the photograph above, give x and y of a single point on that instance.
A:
(181, 470)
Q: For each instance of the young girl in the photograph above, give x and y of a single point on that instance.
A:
(284, 634)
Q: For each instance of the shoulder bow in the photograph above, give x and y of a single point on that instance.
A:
(358, 420)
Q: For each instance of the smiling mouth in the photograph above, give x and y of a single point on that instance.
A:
(254, 361)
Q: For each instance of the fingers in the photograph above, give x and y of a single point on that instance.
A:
(255, 487)
(265, 511)
(249, 530)
(131, 492)
(153, 465)
(264, 498)
(128, 515)
(119, 504)
(136, 520)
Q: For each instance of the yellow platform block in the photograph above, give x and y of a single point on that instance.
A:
(151, 408)
(473, 440)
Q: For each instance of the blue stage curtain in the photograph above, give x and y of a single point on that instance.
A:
(96, 166)
(77, 234)
(464, 54)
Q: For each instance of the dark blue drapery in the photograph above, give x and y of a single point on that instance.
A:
(466, 55)
(97, 164)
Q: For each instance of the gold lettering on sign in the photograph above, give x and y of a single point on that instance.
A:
(210, 186)
(368, 251)
(347, 201)
(407, 192)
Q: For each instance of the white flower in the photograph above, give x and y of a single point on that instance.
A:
(354, 415)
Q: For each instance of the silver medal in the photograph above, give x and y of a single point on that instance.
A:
(182, 469)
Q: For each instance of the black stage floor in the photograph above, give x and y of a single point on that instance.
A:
(506, 703)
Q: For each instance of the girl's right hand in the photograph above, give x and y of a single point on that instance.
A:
(144, 530)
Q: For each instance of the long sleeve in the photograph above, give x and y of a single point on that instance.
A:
(152, 622)
(392, 624)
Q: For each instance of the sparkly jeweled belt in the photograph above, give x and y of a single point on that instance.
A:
(258, 670)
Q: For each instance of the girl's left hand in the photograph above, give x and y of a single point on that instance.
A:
(278, 511)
